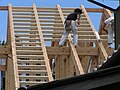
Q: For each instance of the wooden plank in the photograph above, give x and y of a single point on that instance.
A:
(36, 52)
(24, 27)
(11, 78)
(14, 58)
(74, 54)
(57, 67)
(27, 39)
(97, 36)
(62, 67)
(31, 83)
(49, 17)
(22, 10)
(22, 7)
(31, 61)
(3, 7)
(67, 67)
(28, 43)
(28, 48)
(87, 9)
(39, 9)
(19, 20)
(42, 43)
(32, 67)
(23, 16)
(31, 31)
(58, 21)
(48, 14)
(26, 35)
(30, 56)
(91, 40)
(57, 50)
(33, 77)
(71, 66)
(33, 71)
(47, 10)
(100, 10)
(88, 51)
(52, 24)
(64, 50)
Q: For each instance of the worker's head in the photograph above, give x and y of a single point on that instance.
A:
(77, 10)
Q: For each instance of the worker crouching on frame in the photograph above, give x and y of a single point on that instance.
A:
(70, 24)
(110, 23)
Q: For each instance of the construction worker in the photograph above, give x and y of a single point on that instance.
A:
(71, 23)
(110, 23)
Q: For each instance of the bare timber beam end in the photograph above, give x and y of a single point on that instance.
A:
(3, 7)
(95, 10)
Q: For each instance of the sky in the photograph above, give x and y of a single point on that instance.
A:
(95, 17)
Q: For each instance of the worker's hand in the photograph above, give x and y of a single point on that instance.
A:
(78, 23)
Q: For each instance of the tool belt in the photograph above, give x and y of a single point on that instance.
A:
(68, 25)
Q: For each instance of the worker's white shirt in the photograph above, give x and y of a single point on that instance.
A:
(108, 21)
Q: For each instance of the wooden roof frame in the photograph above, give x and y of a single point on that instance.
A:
(73, 52)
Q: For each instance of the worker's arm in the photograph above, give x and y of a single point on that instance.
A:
(104, 28)
(78, 19)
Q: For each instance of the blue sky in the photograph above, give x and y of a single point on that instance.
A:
(95, 17)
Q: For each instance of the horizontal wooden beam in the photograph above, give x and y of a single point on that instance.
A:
(3, 7)
(94, 9)
(90, 51)
(58, 50)
(66, 51)
(87, 9)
